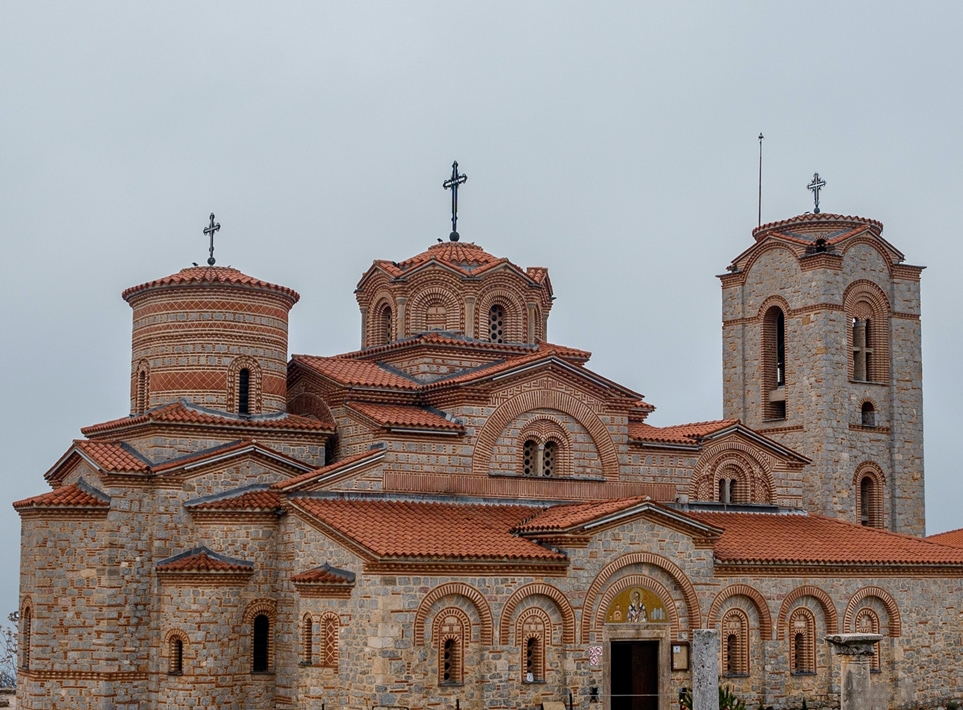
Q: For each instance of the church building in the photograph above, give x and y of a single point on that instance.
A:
(463, 514)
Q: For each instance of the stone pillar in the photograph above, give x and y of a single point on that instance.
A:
(854, 652)
(532, 324)
(364, 327)
(705, 669)
(401, 301)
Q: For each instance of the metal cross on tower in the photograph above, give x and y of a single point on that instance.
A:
(210, 230)
(814, 187)
(452, 184)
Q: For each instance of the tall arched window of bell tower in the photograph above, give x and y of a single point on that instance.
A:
(774, 363)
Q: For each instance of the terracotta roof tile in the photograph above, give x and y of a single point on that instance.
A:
(112, 456)
(325, 574)
(439, 337)
(562, 517)
(397, 529)
(185, 413)
(816, 219)
(813, 539)
(404, 417)
(76, 495)
(545, 351)
(953, 538)
(292, 483)
(201, 559)
(258, 499)
(195, 275)
(678, 434)
(359, 373)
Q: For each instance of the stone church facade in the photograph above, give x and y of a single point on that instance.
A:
(462, 513)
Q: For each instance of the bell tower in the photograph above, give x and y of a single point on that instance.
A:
(821, 352)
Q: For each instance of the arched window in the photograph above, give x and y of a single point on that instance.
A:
(451, 638)
(535, 630)
(142, 391)
(436, 317)
(175, 652)
(870, 502)
(802, 652)
(862, 352)
(25, 622)
(261, 644)
(244, 391)
(774, 363)
(549, 458)
(868, 414)
(730, 489)
(387, 325)
(735, 643)
(307, 640)
(330, 631)
(867, 622)
(496, 324)
(530, 458)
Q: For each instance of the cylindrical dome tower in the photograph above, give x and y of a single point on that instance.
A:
(213, 336)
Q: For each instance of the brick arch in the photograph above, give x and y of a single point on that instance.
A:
(515, 311)
(544, 428)
(878, 512)
(773, 301)
(829, 609)
(693, 612)
(742, 590)
(892, 610)
(253, 367)
(416, 315)
(870, 242)
(374, 335)
(772, 246)
(455, 589)
(637, 580)
(538, 589)
(545, 399)
(543, 617)
(714, 458)
(260, 606)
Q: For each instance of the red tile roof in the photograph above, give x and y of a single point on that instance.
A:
(816, 219)
(951, 537)
(197, 275)
(324, 471)
(111, 456)
(201, 559)
(358, 373)
(325, 574)
(404, 417)
(561, 517)
(76, 495)
(397, 529)
(443, 338)
(678, 434)
(813, 539)
(184, 413)
(248, 500)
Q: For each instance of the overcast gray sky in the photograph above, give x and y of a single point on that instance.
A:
(613, 143)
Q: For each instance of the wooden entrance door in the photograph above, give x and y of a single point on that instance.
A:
(635, 675)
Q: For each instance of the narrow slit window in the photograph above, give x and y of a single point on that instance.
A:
(549, 458)
(176, 666)
(307, 640)
(261, 644)
(25, 639)
(496, 324)
(244, 391)
(870, 505)
(868, 415)
(530, 456)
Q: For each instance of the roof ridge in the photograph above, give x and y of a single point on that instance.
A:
(204, 550)
(225, 495)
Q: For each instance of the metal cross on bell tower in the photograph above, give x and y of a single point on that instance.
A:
(814, 187)
(210, 230)
(452, 184)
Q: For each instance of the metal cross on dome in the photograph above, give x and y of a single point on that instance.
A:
(210, 230)
(814, 187)
(452, 184)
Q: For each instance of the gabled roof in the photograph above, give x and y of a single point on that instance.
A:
(325, 574)
(801, 540)
(334, 471)
(256, 497)
(583, 517)
(463, 258)
(678, 434)
(183, 412)
(224, 452)
(357, 373)
(401, 417)
(388, 529)
(202, 559)
(208, 275)
(104, 456)
(79, 495)
(953, 538)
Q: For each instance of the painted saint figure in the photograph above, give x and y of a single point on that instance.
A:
(636, 609)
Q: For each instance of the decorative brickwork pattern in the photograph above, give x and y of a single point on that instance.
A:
(824, 600)
(757, 600)
(454, 589)
(560, 601)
